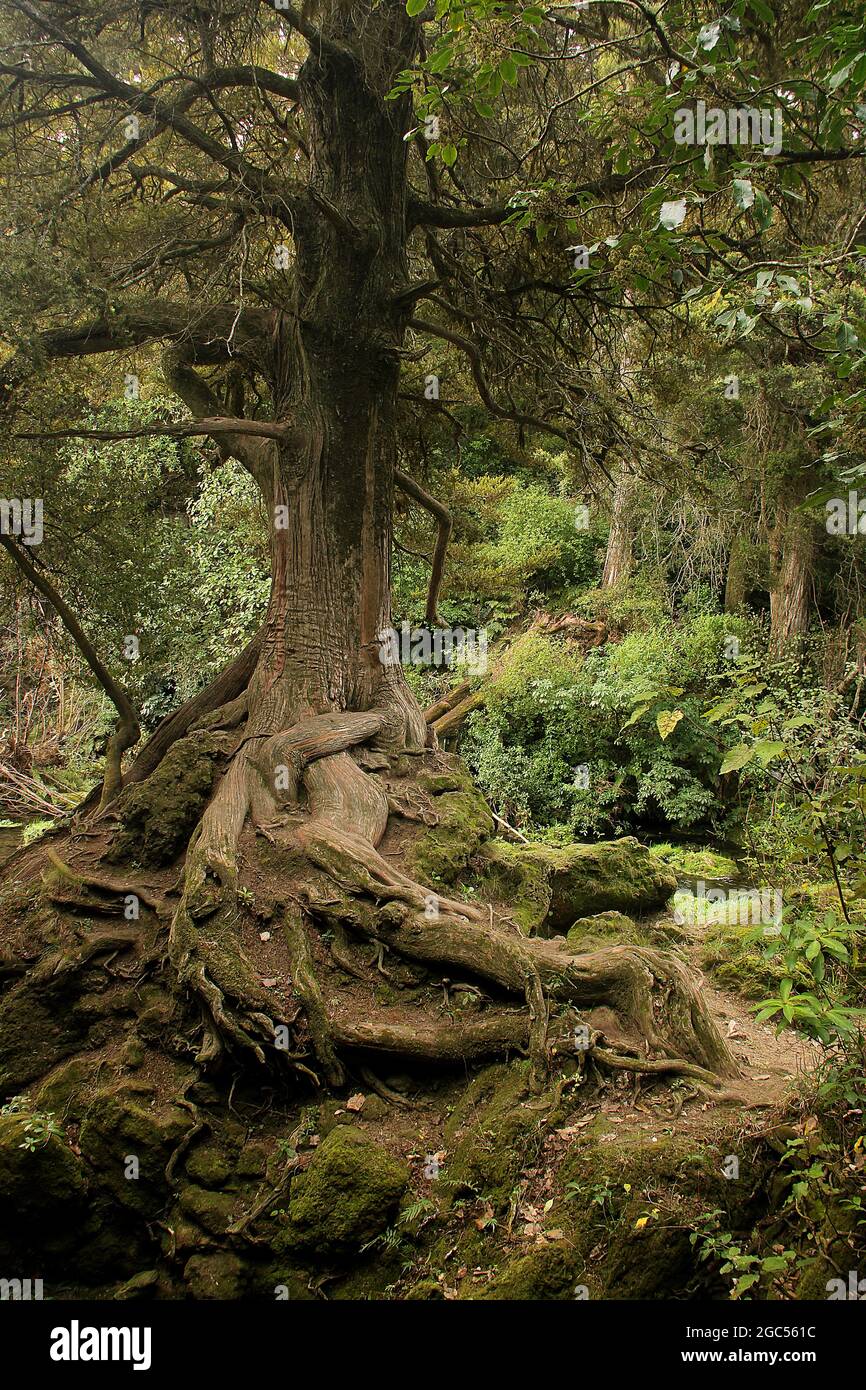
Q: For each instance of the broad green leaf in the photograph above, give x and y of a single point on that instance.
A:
(736, 758)
(744, 193)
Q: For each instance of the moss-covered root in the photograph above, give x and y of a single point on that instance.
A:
(204, 945)
(652, 991)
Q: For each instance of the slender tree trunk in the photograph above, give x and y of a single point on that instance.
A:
(792, 556)
(736, 584)
(618, 557)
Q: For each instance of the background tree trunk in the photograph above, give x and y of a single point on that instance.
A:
(618, 557)
(792, 556)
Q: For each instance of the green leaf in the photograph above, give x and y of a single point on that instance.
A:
(744, 193)
(414, 7)
(766, 749)
(635, 715)
(736, 758)
(508, 71)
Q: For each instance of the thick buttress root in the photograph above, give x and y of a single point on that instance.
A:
(338, 827)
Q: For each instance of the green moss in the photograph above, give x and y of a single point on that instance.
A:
(220, 1275)
(546, 1273)
(547, 889)
(38, 1028)
(696, 863)
(442, 852)
(737, 962)
(602, 926)
(208, 1165)
(657, 1261)
(42, 1189)
(158, 816)
(68, 1088)
(490, 1136)
(213, 1211)
(509, 874)
(427, 1290)
(346, 1196)
(121, 1124)
(252, 1161)
(143, 1285)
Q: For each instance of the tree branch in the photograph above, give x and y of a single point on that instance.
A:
(444, 524)
(128, 731)
(471, 351)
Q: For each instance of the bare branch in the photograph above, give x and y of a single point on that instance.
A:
(128, 730)
(444, 524)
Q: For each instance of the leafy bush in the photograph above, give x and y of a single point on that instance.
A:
(555, 746)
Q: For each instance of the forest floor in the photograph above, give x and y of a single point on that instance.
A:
(462, 1182)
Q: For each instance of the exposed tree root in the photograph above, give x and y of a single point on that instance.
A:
(306, 787)
(463, 1040)
(307, 988)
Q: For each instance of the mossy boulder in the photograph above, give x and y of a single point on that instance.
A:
(213, 1211)
(158, 816)
(548, 889)
(441, 852)
(123, 1125)
(547, 1273)
(38, 1028)
(218, 1275)
(67, 1090)
(345, 1197)
(43, 1192)
(602, 927)
(209, 1166)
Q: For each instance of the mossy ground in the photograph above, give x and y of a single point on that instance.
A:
(164, 1184)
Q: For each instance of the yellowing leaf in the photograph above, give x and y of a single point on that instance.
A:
(641, 1222)
(667, 720)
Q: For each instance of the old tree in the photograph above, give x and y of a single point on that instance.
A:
(291, 208)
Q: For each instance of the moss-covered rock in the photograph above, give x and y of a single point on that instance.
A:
(345, 1197)
(547, 1273)
(122, 1125)
(42, 1189)
(689, 861)
(140, 1286)
(208, 1165)
(68, 1088)
(218, 1275)
(213, 1211)
(602, 926)
(427, 1290)
(158, 816)
(490, 1136)
(441, 852)
(548, 889)
(38, 1028)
